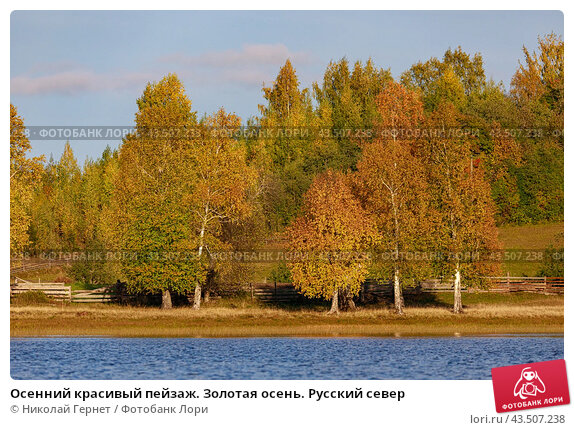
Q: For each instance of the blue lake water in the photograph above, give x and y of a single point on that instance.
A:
(275, 358)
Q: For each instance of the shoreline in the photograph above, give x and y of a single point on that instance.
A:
(535, 316)
(399, 336)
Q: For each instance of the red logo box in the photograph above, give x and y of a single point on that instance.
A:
(529, 386)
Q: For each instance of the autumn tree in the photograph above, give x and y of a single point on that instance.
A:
(538, 84)
(98, 181)
(24, 174)
(367, 82)
(150, 221)
(332, 235)
(449, 80)
(537, 88)
(287, 106)
(488, 104)
(283, 150)
(336, 93)
(501, 164)
(221, 180)
(530, 188)
(465, 232)
(94, 205)
(346, 106)
(70, 212)
(243, 235)
(392, 184)
(56, 208)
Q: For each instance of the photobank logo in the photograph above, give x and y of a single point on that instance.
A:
(529, 386)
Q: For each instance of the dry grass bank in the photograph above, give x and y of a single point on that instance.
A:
(530, 314)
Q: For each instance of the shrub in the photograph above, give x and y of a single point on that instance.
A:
(29, 298)
(553, 264)
(281, 273)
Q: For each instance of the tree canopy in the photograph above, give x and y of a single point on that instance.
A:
(433, 161)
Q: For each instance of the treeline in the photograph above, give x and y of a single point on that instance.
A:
(431, 162)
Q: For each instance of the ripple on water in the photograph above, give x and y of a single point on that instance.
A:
(276, 357)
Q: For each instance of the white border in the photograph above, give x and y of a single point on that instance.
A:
(430, 404)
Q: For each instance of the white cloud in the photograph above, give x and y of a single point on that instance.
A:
(248, 55)
(77, 81)
(251, 65)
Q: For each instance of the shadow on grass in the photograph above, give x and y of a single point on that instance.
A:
(300, 304)
(426, 300)
(419, 300)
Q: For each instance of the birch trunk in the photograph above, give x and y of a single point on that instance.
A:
(457, 292)
(197, 292)
(398, 294)
(335, 303)
(396, 280)
(166, 300)
(197, 296)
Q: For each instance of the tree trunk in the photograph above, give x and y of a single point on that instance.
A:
(197, 296)
(346, 302)
(335, 303)
(398, 294)
(166, 300)
(396, 280)
(457, 292)
(362, 294)
(197, 293)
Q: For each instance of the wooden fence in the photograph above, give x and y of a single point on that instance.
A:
(98, 295)
(274, 292)
(515, 284)
(277, 292)
(35, 265)
(371, 289)
(285, 292)
(55, 290)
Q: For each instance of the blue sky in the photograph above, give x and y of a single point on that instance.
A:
(89, 67)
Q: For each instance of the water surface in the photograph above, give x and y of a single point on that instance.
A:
(275, 357)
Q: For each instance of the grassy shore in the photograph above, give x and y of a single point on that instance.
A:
(485, 313)
(529, 237)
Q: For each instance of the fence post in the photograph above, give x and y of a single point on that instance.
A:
(251, 287)
(508, 280)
